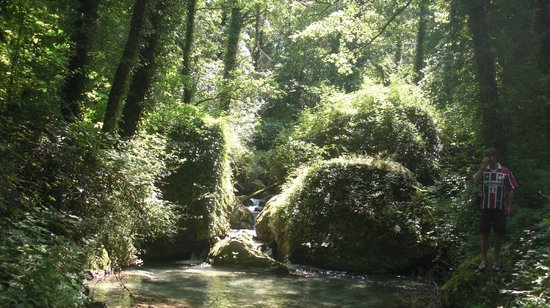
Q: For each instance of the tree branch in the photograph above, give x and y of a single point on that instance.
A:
(383, 29)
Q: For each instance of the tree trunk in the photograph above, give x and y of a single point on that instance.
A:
(141, 82)
(124, 67)
(258, 39)
(454, 57)
(230, 59)
(187, 51)
(73, 89)
(420, 39)
(398, 52)
(492, 131)
(543, 30)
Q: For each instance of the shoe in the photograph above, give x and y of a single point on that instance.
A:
(496, 267)
(481, 267)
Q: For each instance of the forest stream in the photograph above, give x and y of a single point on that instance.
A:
(193, 284)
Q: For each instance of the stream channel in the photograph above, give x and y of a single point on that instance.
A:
(197, 284)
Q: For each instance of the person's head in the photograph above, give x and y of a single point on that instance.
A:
(492, 154)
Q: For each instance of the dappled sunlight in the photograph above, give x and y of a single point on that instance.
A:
(200, 286)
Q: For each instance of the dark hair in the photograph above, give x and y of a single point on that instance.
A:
(491, 152)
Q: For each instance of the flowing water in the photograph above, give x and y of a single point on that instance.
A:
(200, 285)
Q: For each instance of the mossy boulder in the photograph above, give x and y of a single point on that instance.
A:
(468, 288)
(391, 122)
(359, 214)
(240, 251)
(199, 186)
(242, 218)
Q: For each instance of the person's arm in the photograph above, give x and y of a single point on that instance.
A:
(483, 165)
(509, 201)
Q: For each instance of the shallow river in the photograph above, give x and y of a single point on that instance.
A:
(200, 285)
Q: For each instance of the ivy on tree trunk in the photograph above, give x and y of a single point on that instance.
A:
(142, 79)
(492, 128)
(114, 103)
(187, 50)
(420, 38)
(73, 89)
(230, 59)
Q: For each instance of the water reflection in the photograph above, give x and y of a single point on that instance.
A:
(184, 285)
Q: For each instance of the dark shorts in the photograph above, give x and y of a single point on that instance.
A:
(495, 218)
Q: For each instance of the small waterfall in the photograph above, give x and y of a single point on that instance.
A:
(255, 208)
(253, 205)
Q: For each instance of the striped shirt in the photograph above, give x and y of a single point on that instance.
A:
(495, 186)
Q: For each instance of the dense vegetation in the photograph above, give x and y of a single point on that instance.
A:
(127, 124)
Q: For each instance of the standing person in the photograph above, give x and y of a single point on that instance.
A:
(498, 184)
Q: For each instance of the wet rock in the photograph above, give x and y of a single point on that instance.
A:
(240, 251)
(242, 218)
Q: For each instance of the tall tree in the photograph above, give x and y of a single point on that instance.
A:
(72, 92)
(142, 79)
(187, 51)
(230, 58)
(543, 29)
(258, 38)
(485, 62)
(420, 41)
(114, 103)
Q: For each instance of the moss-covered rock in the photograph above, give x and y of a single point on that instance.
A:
(468, 288)
(382, 121)
(240, 251)
(199, 185)
(359, 214)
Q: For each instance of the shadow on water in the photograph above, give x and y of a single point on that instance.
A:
(199, 285)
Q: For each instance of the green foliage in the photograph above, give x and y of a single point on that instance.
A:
(523, 283)
(531, 270)
(66, 193)
(39, 268)
(33, 54)
(389, 122)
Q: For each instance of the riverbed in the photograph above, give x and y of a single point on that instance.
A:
(187, 284)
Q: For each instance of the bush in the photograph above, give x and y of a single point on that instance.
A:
(65, 193)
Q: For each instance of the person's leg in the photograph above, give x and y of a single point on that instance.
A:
(484, 248)
(500, 231)
(498, 241)
(485, 227)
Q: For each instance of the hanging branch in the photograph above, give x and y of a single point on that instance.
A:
(383, 29)
(119, 279)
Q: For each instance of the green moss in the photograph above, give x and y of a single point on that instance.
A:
(353, 214)
(240, 252)
(200, 184)
(200, 180)
(377, 121)
(467, 288)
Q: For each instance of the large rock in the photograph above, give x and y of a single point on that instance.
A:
(240, 251)
(359, 214)
(382, 121)
(199, 187)
(242, 218)
(467, 288)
